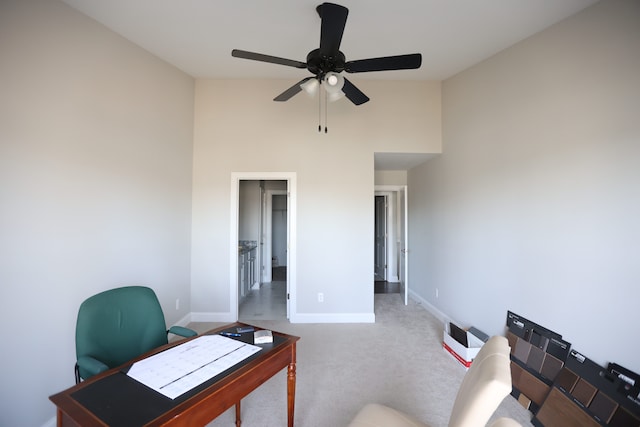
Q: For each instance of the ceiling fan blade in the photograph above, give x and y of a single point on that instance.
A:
(353, 93)
(334, 18)
(293, 90)
(387, 63)
(267, 58)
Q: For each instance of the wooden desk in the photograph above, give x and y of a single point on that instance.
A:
(113, 398)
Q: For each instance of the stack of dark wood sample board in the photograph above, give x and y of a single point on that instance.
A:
(562, 387)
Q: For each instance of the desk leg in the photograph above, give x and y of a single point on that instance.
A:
(291, 392)
(238, 421)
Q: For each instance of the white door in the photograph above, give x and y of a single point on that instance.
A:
(403, 203)
(288, 252)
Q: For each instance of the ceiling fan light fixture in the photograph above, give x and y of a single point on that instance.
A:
(310, 87)
(333, 84)
(332, 97)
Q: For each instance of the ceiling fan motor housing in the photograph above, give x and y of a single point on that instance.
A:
(320, 65)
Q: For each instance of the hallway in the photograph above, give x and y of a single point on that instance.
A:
(267, 303)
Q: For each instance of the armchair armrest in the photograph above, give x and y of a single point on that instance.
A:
(87, 366)
(182, 331)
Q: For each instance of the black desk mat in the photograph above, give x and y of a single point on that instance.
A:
(119, 400)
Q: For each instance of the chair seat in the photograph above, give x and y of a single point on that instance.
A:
(375, 415)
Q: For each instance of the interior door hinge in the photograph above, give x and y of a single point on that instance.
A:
(288, 295)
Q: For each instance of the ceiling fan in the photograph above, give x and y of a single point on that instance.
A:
(327, 62)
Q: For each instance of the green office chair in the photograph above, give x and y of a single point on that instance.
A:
(117, 325)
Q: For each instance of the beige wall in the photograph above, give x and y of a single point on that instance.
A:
(391, 177)
(95, 188)
(238, 128)
(534, 204)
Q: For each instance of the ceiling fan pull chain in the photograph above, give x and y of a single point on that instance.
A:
(319, 109)
(326, 115)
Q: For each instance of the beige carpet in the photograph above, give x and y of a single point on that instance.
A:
(398, 361)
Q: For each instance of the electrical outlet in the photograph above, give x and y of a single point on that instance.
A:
(437, 292)
(177, 303)
(320, 297)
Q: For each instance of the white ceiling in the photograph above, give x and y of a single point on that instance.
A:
(197, 36)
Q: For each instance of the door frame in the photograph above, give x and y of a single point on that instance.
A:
(291, 178)
(403, 216)
(397, 222)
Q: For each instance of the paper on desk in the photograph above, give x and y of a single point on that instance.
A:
(179, 369)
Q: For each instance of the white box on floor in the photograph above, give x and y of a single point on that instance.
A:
(460, 352)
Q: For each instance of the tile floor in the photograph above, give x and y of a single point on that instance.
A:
(267, 303)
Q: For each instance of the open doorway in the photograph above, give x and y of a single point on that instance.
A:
(264, 233)
(390, 250)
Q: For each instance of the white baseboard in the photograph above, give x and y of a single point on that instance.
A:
(316, 317)
(184, 321)
(298, 318)
(429, 307)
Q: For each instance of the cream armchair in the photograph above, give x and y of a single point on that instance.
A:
(485, 385)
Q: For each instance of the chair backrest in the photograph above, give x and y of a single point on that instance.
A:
(117, 325)
(485, 385)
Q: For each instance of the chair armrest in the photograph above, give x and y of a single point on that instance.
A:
(91, 366)
(182, 331)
